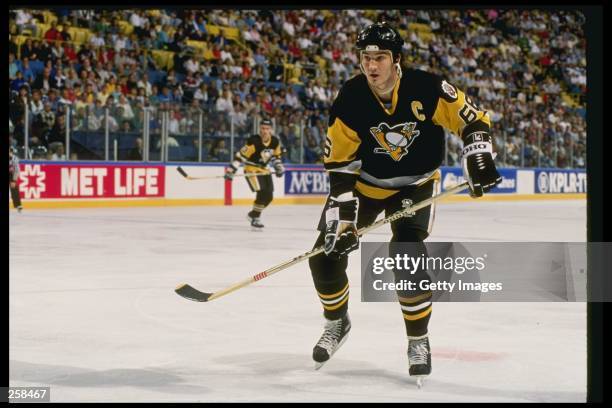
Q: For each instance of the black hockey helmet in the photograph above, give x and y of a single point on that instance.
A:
(380, 36)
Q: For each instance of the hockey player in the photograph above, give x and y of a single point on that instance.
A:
(13, 177)
(384, 147)
(259, 151)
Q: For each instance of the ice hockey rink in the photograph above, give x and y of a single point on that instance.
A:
(93, 313)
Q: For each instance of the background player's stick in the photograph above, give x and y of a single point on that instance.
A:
(191, 293)
(188, 177)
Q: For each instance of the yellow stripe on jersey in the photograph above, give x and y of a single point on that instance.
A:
(342, 143)
(277, 151)
(255, 169)
(455, 116)
(374, 192)
(247, 151)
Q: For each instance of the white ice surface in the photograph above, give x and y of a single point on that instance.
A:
(94, 316)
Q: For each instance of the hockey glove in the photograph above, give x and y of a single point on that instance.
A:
(477, 162)
(341, 231)
(279, 169)
(231, 170)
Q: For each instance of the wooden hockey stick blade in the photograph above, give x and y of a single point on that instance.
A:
(180, 170)
(191, 293)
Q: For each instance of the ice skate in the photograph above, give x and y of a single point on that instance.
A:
(334, 336)
(419, 358)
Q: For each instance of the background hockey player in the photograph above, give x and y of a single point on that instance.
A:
(259, 151)
(13, 177)
(385, 143)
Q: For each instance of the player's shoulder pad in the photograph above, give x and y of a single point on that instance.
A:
(252, 139)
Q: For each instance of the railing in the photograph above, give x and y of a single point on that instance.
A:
(153, 134)
(189, 134)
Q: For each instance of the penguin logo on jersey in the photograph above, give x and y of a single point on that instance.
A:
(266, 154)
(395, 140)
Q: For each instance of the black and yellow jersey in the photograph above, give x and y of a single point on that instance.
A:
(397, 144)
(256, 155)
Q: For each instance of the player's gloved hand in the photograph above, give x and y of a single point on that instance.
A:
(341, 230)
(478, 165)
(231, 170)
(279, 169)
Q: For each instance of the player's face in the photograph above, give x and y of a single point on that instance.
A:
(378, 68)
(266, 132)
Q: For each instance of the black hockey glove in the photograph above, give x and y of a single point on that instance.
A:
(231, 170)
(341, 231)
(477, 162)
(279, 169)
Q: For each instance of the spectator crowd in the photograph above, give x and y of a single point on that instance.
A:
(70, 67)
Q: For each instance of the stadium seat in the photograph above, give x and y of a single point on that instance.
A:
(42, 29)
(49, 17)
(19, 39)
(200, 46)
(231, 33)
(126, 28)
(213, 29)
(163, 59)
(419, 27)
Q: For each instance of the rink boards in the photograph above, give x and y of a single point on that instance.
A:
(45, 184)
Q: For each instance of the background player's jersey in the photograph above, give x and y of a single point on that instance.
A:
(403, 143)
(255, 155)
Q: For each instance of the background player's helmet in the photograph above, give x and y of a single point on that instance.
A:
(381, 35)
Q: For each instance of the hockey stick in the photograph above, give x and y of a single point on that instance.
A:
(188, 177)
(191, 293)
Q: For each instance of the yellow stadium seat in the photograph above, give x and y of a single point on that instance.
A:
(42, 29)
(425, 36)
(80, 37)
(231, 33)
(19, 39)
(72, 31)
(213, 29)
(419, 27)
(163, 59)
(126, 28)
(200, 46)
(208, 54)
(49, 17)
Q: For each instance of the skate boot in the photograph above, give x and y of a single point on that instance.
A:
(334, 336)
(419, 358)
(256, 224)
(19, 209)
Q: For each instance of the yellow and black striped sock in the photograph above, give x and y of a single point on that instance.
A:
(334, 301)
(416, 311)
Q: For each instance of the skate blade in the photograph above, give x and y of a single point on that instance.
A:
(319, 365)
(257, 229)
(419, 381)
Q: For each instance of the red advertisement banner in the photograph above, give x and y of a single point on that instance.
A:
(91, 181)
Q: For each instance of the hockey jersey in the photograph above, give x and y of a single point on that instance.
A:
(399, 144)
(256, 155)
